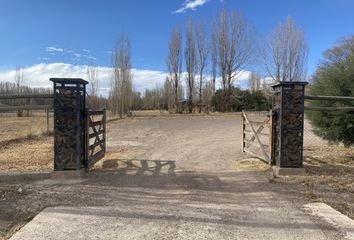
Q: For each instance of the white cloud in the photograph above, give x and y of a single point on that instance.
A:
(77, 55)
(65, 52)
(54, 49)
(191, 4)
(38, 75)
(90, 57)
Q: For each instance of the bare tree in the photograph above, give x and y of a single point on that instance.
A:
(234, 46)
(174, 62)
(152, 99)
(94, 86)
(235, 38)
(190, 59)
(286, 53)
(121, 92)
(208, 94)
(222, 46)
(202, 56)
(254, 82)
(214, 57)
(19, 80)
(167, 95)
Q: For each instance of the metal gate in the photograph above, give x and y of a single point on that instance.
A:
(257, 134)
(95, 136)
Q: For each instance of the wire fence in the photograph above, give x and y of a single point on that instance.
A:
(316, 148)
(26, 143)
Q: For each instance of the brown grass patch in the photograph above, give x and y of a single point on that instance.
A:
(34, 154)
(252, 164)
(12, 127)
(329, 180)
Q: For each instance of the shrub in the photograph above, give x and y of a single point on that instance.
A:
(235, 100)
(335, 77)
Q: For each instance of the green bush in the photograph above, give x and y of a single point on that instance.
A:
(334, 77)
(236, 100)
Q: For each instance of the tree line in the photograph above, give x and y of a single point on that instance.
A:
(204, 56)
(334, 76)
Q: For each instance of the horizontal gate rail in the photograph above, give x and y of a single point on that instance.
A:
(318, 97)
(25, 107)
(96, 150)
(25, 95)
(329, 109)
(95, 112)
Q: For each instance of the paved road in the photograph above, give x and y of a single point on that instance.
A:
(177, 179)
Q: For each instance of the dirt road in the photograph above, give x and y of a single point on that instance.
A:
(209, 143)
(172, 178)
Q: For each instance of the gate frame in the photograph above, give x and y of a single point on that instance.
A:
(287, 126)
(92, 158)
(247, 142)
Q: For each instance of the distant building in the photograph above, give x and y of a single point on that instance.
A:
(182, 106)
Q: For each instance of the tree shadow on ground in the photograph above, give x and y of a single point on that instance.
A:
(162, 174)
(139, 166)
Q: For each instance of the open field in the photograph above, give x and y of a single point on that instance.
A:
(170, 161)
(14, 128)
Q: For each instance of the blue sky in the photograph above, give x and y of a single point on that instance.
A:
(80, 33)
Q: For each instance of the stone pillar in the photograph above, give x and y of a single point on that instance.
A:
(69, 129)
(288, 113)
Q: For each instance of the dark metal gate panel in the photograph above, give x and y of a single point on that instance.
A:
(95, 137)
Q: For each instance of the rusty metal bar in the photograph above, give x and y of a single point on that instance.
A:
(25, 95)
(25, 107)
(318, 97)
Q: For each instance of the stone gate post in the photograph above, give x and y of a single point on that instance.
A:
(288, 113)
(69, 131)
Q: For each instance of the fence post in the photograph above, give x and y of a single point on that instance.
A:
(87, 138)
(69, 125)
(288, 110)
(243, 132)
(271, 138)
(104, 129)
(47, 111)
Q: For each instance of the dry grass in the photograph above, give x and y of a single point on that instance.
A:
(252, 164)
(329, 180)
(34, 154)
(12, 127)
(25, 144)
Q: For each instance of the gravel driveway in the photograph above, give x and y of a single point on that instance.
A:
(176, 179)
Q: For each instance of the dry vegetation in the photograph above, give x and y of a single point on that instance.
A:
(13, 127)
(328, 180)
(31, 154)
(25, 144)
(252, 164)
